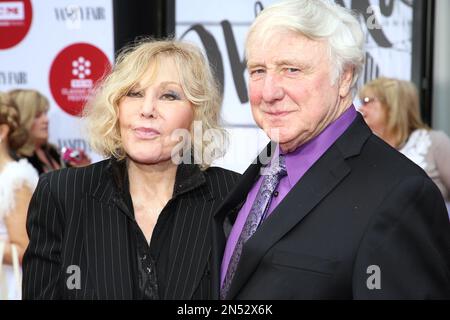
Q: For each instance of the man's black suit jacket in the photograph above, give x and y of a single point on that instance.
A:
(364, 222)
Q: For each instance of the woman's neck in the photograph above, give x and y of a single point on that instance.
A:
(4, 156)
(38, 145)
(155, 180)
(391, 139)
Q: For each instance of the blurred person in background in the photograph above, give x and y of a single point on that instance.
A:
(18, 180)
(44, 156)
(391, 109)
(137, 225)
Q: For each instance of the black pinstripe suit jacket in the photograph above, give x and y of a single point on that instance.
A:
(79, 240)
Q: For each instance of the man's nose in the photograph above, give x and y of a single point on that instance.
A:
(272, 90)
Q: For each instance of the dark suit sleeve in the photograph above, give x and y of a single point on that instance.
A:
(409, 241)
(42, 259)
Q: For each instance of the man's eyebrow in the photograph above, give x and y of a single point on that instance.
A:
(251, 65)
(294, 62)
(282, 62)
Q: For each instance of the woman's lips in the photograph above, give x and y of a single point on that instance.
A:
(146, 133)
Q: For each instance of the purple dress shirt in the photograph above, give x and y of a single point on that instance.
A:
(297, 163)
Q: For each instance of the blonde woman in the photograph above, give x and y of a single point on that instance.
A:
(45, 157)
(17, 182)
(391, 109)
(137, 225)
(33, 108)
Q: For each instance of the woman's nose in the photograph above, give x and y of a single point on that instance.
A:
(148, 107)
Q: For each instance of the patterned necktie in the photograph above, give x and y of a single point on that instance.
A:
(256, 215)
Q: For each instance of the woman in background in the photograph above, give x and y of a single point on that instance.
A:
(17, 182)
(391, 109)
(33, 107)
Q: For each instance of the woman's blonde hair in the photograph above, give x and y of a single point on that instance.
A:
(10, 115)
(197, 81)
(401, 102)
(30, 103)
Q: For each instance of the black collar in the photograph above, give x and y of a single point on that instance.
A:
(188, 177)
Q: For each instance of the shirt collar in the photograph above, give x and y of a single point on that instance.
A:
(188, 177)
(301, 159)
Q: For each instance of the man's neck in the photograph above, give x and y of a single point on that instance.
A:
(341, 106)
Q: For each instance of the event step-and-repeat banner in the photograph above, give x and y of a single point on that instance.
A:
(60, 48)
(220, 27)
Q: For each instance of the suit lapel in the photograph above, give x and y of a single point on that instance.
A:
(190, 248)
(228, 209)
(243, 186)
(190, 244)
(305, 195)
(106, 238)
(314, 186)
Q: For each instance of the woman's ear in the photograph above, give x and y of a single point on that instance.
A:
(4, 130)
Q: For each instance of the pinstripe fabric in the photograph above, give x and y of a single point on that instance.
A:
(75, 218)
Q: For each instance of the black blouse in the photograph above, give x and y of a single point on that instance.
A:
(151, 261)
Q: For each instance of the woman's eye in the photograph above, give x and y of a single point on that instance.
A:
(170, 96)
(134, 94)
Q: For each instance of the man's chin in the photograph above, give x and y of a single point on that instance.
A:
(280, 138)
(288, 143)
(275, 134)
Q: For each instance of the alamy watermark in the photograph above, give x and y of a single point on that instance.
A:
(73, 281)
(372, 20)
(198, 146)
(374, 280)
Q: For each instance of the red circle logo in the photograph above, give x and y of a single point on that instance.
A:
(15, 21)
(73, 75)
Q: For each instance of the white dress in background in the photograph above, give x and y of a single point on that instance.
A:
(430, 150)
(13, 176)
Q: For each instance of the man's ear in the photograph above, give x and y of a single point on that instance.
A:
(345, 82)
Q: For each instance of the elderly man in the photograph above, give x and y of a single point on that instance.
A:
(337, 214)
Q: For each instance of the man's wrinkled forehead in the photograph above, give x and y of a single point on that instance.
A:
(285, 48)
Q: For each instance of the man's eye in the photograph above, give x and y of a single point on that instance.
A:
(292, 70)
(134, 94)
(257, 73)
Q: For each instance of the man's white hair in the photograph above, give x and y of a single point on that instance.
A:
(317, 20)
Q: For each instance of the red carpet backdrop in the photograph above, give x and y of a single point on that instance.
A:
(61, 48)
